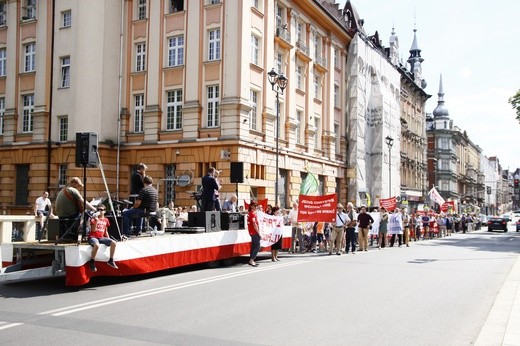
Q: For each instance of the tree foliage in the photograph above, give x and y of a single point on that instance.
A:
(515, 102)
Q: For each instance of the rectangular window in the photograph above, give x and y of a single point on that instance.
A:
(141, 9)
(65, 72)
(213, 2)
(214, 45)
(64, 129)
(176, 51)
(255, 48)
(22, 184)
(62, 175)
(317, 47)
(336, 58)
(297, 130)
(338, 139)
(28, 109)
(445, 164)
(169, 186)
(3, 62)
(29, 57)
(174, 110)
(299, 77)
(317, 133)
(253, 114)
(138, 113)
(66, 19)
(279, 63)
(30, 9)
(299, 32)
(336, 96)
(213, 106)
(317, 87)
(3, 13)
(176, 6)
(279, 17)
(140, 57)
(255, 4)
(2, 112)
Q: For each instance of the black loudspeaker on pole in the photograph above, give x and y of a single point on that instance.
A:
(237, 173)
(86, 149)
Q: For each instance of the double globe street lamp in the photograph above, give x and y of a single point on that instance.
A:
(278, 84)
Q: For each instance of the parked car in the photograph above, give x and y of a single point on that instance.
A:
(518, 225)
(507, 217)
(515, 217)
(499, 223)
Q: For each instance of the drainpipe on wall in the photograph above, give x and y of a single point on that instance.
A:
(49, 131)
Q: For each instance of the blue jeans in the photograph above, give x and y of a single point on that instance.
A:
(351, 239)
(128, 215)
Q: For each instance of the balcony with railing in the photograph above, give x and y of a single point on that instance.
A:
(320, 60)
(303, 48)
(283, 34)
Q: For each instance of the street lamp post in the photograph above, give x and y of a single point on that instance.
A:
(278, 84)
(390, 142)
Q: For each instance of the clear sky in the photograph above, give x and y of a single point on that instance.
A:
(475, 45)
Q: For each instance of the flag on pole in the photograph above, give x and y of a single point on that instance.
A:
(309, 185)
(435, 196)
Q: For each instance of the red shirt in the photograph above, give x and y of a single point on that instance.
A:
(100, 226)
(252, 220)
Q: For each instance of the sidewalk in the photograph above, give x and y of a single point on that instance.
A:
(502, 326)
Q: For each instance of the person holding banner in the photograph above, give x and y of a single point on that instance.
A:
(365, 220)
(396, 227)
(338, 232)
(297, 231)
(276, 247)
(253, 227)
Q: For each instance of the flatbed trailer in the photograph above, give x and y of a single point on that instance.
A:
(144, 254)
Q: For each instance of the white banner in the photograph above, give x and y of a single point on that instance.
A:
(435, 196)
(271, 228)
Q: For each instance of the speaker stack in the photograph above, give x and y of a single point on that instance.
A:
(86, 149)
(237, 172)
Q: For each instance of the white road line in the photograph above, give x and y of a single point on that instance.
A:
(9, 325)
(113, 300)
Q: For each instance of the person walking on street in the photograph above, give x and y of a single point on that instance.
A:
(406, 226)
(395, 223)
(365, 220)
(342, 220)
(350, 234)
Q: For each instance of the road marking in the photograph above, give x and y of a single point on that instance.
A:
(117, 299)
(9, 325)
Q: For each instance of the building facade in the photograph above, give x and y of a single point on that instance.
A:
(178, 85)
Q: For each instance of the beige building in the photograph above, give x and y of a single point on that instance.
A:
(179, 85)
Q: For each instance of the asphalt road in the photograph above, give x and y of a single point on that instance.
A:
(435, 292)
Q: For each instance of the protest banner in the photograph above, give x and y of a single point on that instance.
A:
(317, 208)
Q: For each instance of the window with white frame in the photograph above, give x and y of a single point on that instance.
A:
(29, 57)
(3, 13)
(255, 4)
(317, 132)
(174, 110)
(317, 46)
(445, 164)
(279, 63)
(213, 2)
(444, 143)
(176, 51)
(64, 128)
(336, 96)
(140, 57)
(317, 86)
(298, 129)
(213, 96)
(255, 49)
(214, 44)
(65, 72)
(141, 9)
(62, 175)
(66, 19)
(337, 142)
(2, 112)
(299, 77)
(299, 32)
(253, 114)
(3, 62)
(336, 58)
(138, 113)
(28, 109)
(30, 9)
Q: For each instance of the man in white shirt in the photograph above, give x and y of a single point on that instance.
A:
(42, 207)
(338, 231)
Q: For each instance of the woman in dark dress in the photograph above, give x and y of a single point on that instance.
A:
(276, 247)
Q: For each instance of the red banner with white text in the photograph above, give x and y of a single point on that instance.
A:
(388, 203)
(317, 208)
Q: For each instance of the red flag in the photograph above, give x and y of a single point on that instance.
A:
(262, 203)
